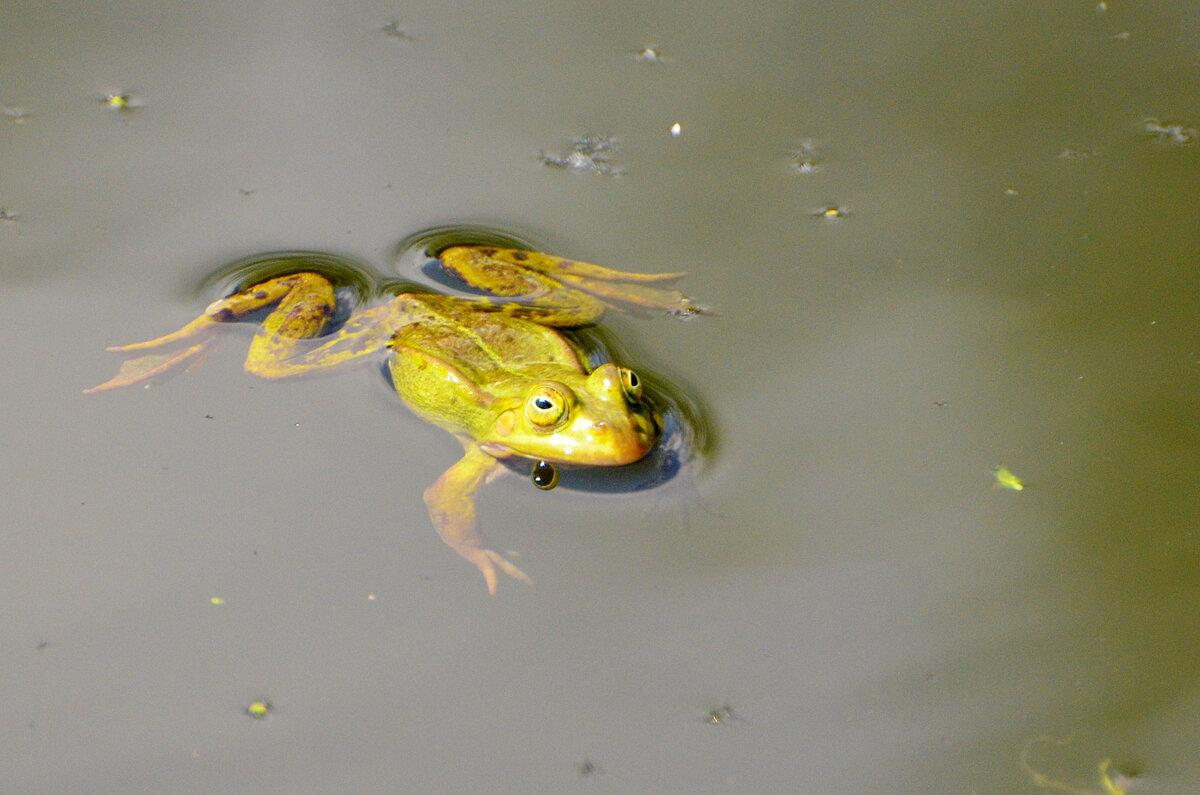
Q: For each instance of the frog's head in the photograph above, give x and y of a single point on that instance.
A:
(598, 419)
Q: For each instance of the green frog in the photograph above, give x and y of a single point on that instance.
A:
(494, 369)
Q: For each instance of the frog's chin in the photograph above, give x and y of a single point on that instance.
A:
(630, 453)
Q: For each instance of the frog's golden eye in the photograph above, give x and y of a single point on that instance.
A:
(631, 384)
(545, 406)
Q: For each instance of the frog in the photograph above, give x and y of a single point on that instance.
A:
(494, 368)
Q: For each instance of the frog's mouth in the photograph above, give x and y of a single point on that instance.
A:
(670, 454)
(591, 443)
(610, 443)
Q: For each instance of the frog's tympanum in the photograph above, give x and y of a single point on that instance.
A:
(494, 370)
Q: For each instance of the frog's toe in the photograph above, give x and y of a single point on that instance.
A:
(146, 367)
(487, 560)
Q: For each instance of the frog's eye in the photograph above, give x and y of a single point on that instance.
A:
(545, 406)
(631, 384)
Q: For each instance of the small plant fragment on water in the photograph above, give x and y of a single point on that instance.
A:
(650, 55)
(721, 716)
(1173, 134)
(259, 710)
(1005, 479)
(590, 154)
(120, 101)
(1112, 781)
(803, 159)
(393, 30)
(830, 212)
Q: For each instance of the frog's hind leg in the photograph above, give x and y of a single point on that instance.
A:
(273, 355)
(305, 301)
(562, 291)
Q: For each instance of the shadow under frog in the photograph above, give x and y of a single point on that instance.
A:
(516, 370)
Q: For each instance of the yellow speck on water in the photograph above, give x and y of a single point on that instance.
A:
(117, 101)
(259, 709)
(1005, 479)
(216, 600)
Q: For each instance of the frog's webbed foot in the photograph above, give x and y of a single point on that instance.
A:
(451, 503)
(561, 291)
(143, 368)
(486, 560)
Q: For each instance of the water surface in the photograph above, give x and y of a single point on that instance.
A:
(844, 602)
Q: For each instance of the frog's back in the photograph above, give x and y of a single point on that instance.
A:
(451, 360)
(479, 339)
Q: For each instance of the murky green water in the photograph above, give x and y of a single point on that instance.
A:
(843, 603)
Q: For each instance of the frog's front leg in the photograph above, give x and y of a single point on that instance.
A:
(451, 503)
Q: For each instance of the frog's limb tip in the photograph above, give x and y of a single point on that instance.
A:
(487, 560)
(143, 368)
(509, 568)
(487, 570)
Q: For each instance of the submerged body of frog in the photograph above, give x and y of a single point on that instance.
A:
(495, 372)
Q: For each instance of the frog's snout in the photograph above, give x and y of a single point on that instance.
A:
(619, 441)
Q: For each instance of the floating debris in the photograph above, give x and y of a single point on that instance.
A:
(393, 30)
(1173, 134)
(721, 716)
(803, 159)
(650, 55)
(1005, 479)
(830, 212)
(1078, 154)
(259, 710)
(676, 130)
(8, 215)
(590, 154)
(121, 101)
(16, 114)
